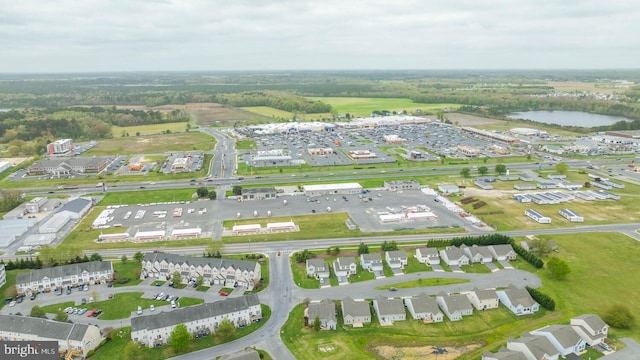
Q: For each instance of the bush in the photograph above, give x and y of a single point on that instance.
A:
(619, 316)
(543, 299)
(90, 353)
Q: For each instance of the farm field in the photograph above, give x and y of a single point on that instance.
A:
(365, 106)
(213, 114)
(281, 114)
(118, 131)
(153, 144)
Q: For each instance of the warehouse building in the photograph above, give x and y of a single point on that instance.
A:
(332, 189)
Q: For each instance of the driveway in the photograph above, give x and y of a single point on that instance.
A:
(505, 264)
(456, 269)
(492, 267)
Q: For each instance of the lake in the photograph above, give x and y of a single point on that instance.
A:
(568, 118)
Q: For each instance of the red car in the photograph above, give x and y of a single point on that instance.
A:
(223, 293)
(90, 313)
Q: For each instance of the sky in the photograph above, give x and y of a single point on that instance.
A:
(221, 35)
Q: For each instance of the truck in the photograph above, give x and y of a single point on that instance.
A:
(99, 184)
(285, 202)
(67, 187)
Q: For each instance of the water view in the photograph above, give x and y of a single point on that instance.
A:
(568, 118)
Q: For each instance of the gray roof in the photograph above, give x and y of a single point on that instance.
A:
(485, 294)
(457, 302)
(75, 205)
(427, 251)
(199, 261)
(482, 250)
(504, 354)
(538, 345)
(64, 270)
(502, 249)
(355, 308)
(594, 321)
(454, 253)
(389, 306)
(266, 190)
(372, 257)
(75, 161)
(319, 264)
(44, 328)
(192, 313)
(397, 254)
(246, 354)
(424, 304)
(519, 296)
(324, 310)
(345, 261)
(564, 334)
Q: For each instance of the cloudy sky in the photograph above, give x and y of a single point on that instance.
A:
(133, 35)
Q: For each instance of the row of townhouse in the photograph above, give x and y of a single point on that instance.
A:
(48, 279)
(78, 338)
(464, 255)
(553, 342)
(3, 275)
(155, 329)
(421, 307)
(227, 272)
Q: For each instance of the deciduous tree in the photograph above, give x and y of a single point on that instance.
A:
(180, 338)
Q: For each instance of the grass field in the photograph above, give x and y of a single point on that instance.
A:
(153, 144)
(147, 197)
(212, 114)
(117, 131)
(274, 113)
(246, 145)
(602, 266)
(423, 282)
(365, 106)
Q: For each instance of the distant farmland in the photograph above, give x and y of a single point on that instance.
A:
(281, 114)
(117, 131)
(365, 106)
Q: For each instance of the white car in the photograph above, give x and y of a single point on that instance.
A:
(13, 303)
(139, 312)
(152, 307)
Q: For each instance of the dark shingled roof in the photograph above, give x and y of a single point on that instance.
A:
(62, 271)
(199, 261)
(44, 328)
(192, 313)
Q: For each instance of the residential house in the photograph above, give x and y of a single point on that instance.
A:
(227, 272)
(519, 301)
(389, 310)
(534, 347)
(563, 337)
(483, 299)
(503, 252)
(425, 308)
(318, 269)
(428, 256)
(452, 255)
(155, 329)
(325, 311)
(504, 354)
(477, 254)
(591, 328)
(355, 313)
(345, 267)
(70, 337)
(92, 272)
(373, 263)
(455, 306)
(397, 260)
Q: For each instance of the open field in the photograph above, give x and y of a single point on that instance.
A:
(576, 86)
(146, 197)
(422, 282)
(213, 114)
(153, 144)
(365, 106)
(117, 131)
(274, 113)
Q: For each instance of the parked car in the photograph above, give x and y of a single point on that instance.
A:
(34, 296)
(139, 312)
(152, 307)
(223, 293)
(13, 303)
(97, 313)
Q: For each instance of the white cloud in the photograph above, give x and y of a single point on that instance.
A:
(118, 35)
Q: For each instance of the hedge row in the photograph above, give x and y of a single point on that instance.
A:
(543, 299)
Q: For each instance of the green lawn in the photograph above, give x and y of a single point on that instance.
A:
(117, 131)
(121, 306)
(153, 144)
(130, 269)
(246, 145)
(300, 278)
(147, 197)
(422, 283)
(365, 106)
(11, 280)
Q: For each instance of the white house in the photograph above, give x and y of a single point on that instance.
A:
(155, 329)
(451, 255)
(396, 258)
(389, 310)
(519, 301)
(503, 252)
(227, 272)
(48, 279)
(590, 328)
(345, 267)
(571, 215)
(483, 299)
(454, 306)
(325, 311)
(373, 263)
(534, 347)
(537, 216)
(563, 337)
(317, 268)
(428, 256)
(477, 254)
(70, 337)
(425, 308)
(355, 313)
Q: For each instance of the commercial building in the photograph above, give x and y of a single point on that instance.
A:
(60, 147)
(332, 189)
(258, 193)
(67, 166)
(92, 272)
(34, 205)
(12, 229)
(395, 185)
(4, 165)
(155, 329)
(71, 338)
